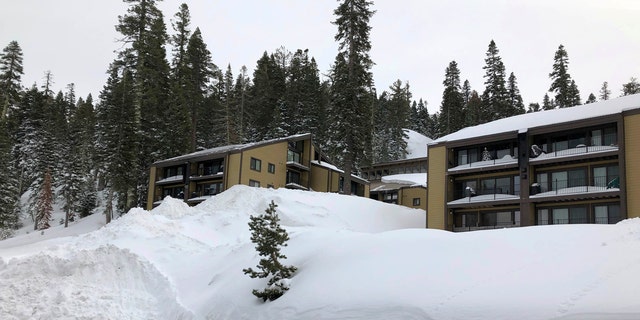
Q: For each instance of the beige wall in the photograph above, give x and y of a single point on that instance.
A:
(632, 167)
(274, 153)
(320, 181)
(408, 194)
(232, 170)
(437, 187)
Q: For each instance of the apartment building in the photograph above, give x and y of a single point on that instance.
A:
(400, 182)
(291, 162)
(563, 166)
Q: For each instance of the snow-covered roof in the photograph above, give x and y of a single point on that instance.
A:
(416, 144)
(413, 179)
(229, 148)
(521, 123)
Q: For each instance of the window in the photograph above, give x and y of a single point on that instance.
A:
(210, 167)
(271, 168)
(564, 215)
(293, 177)
(562, 179)
(294, 153)
(606, 177)
(254, 183)
(174, 192)
(208, 189)
(173, 171)
(416, 202)
(256, 164)
(608, 213)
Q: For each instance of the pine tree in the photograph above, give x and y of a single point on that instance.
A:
(534, 107)
(605, 93)
(631, 87)
(495, 96)
(351, 90)
(143, 27)
(516, 106)
(200, 72)
(452, 116)
(9, 215)
(592, 98)
(547, 103)
(11, 71)
(473, 109)
(269, 236)
(44, 203)
(566, 91)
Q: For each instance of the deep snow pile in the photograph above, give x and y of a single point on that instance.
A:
(357, 259)
(416, 144)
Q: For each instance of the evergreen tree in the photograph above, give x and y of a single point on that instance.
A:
(473, 109)
(9, 197)
(452, 116)
(534, 107)
(10, 73)
(266, 94)
(565, 89)
(351, 94)
(495, 96)
(592, 98)
(143, 27)
(200, 72)
(547, 103)
(605, 93)
(44, 203)
(516, 106)
(631, 87)
(269, 236)
(399, 119)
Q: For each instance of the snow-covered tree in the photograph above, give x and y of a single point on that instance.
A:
(269, 236)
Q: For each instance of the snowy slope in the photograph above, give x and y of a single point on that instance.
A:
(357, 259)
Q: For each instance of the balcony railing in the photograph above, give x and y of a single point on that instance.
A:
(582, 149)
(573, 186)
(481, 195)
(489, 227)
(487, 163)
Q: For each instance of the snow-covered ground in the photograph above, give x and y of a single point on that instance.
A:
(356, 258)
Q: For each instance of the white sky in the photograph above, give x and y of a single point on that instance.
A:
(413, 40)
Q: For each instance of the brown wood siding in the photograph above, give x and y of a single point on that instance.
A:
(437, 187)
(632, 164)
(272, 153)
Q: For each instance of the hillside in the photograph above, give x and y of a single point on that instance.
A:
(357, 259)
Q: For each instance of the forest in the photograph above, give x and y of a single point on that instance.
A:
(165, 97)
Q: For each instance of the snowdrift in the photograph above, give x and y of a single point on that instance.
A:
(357, 259)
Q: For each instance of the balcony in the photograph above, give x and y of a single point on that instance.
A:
(471, 196)
(601, 186)
(506, 162)
(170, 180)
(580, 150)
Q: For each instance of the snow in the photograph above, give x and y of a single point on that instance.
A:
(543, 118)
(357, 259)
(575, 151)
(414, 179)
(507, 159)
(416, 144)
(484, 198)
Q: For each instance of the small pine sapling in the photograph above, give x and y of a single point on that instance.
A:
(269, 236)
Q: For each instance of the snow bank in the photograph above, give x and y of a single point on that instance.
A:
(357, 259)
(416, 144)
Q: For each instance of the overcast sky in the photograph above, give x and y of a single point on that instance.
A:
(413, 40)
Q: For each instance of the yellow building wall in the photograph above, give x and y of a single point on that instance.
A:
(320, 181)
(232, 170)
(408, 194)
(152, 187)
(436, 188)
(632, 167)
(273, 153)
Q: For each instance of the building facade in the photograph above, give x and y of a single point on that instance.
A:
(291, 162)
(400, 182)
(563, 166)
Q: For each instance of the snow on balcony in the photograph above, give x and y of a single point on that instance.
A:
(574, 190)
(171, 179)
(484, 198)
(580, 150)
(507, 159)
